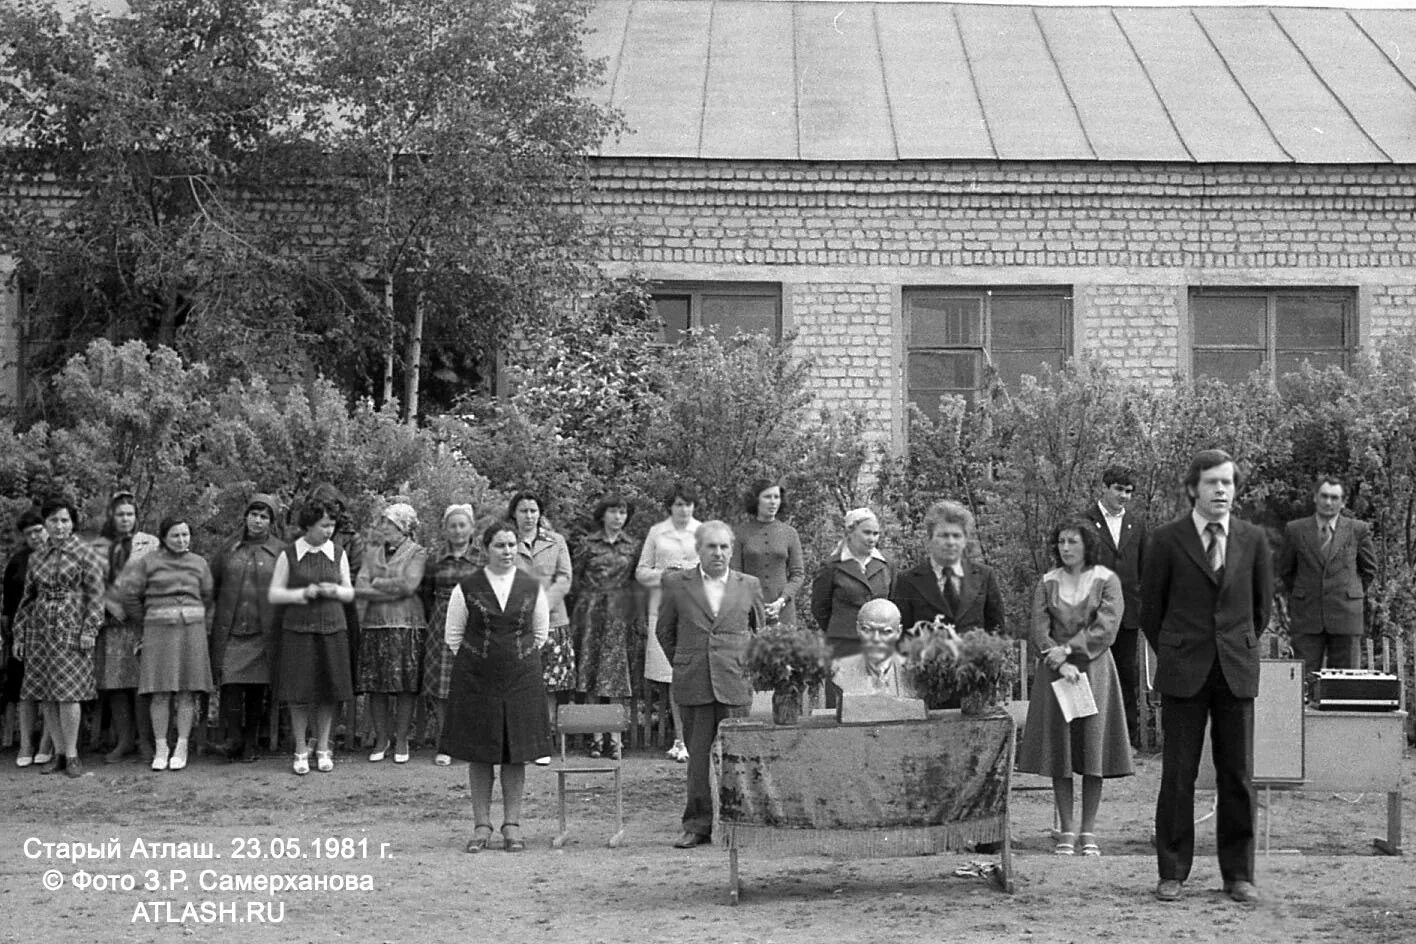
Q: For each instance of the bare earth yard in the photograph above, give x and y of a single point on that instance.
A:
(1322, 883)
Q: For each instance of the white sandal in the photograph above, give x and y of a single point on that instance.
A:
(302, 764)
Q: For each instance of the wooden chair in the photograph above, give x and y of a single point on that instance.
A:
(592, 720)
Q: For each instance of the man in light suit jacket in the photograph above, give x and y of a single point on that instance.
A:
(706, 617)
(1205, 598)
(1325, 566)
(965, 593)
(1121, 547)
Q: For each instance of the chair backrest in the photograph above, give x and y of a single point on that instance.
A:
(592, 719)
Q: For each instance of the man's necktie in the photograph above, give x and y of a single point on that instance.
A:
(1215, 552)
(951, 593)
(1327, 537)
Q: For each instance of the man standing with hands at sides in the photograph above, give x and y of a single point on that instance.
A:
(1206, 592)
(1121, 549)
(706, 618)
(1325, 566)
(964, 592)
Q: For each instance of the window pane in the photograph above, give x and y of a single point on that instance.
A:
(1289, 361)
(945, 320)
(1229, 366)
(1011, 365)
(1241, 321)
(943, 370)
(749, 314)
(1028, 322)
(672, 310)
(1307, 322)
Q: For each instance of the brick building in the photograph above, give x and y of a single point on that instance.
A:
(920, 190)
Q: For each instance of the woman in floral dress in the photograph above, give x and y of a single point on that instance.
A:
(605, 606)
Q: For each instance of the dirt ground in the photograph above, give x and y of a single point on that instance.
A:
(1322, 882)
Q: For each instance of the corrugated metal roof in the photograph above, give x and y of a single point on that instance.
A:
(786, 80)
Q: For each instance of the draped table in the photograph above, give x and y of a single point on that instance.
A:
(865, 790)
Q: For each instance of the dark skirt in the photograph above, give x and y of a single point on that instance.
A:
(115, 656)
(390, 659)
(496, 710)
(14, 679)
(1092, 747)
(314, 668)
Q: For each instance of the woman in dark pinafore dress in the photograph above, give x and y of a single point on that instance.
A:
(311, 584)
(497, 621)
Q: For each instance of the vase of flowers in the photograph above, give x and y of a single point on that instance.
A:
(975, 669)
(787, 661)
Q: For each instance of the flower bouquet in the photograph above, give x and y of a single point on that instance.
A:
(976, 668)
(787, 661)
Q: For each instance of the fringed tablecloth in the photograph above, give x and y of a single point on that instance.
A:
(865, 791)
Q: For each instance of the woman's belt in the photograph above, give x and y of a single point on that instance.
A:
(183, 614)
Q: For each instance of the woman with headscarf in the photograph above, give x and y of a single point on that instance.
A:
(243, 626)
(854, 573)
(454, 559)
(543, 554)
(391, 628)
(170, 593)
(311, 585)
(116, 651)
(59, 618)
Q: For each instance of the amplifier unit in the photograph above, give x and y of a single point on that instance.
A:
(1355, 690)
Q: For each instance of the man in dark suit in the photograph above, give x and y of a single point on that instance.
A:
(706, 617)
(1325, 566)
(965, 593)
(1121, 547)
(1205, 598)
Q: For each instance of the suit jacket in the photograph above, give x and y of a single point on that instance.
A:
(1191, 617)
(709, 653)
(839, 591)
(1326, 590)
(918, 596)
(1126, 559)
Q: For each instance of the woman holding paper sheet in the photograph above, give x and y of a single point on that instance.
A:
(1075, 615)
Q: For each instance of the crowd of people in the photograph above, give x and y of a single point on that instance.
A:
(495, 625)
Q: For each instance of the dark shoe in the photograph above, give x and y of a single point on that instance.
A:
(1169, 889)
(691, 840)
(249, 754)
(511, 838)
(614, 750)
(75, 767)
(1241, 891)
(118, 753)
(594, 751)
(480, 837)
(56, 764)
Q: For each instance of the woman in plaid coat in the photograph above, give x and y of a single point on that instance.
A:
(59, 619)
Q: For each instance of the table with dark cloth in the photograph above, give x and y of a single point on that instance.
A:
(866, 790)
